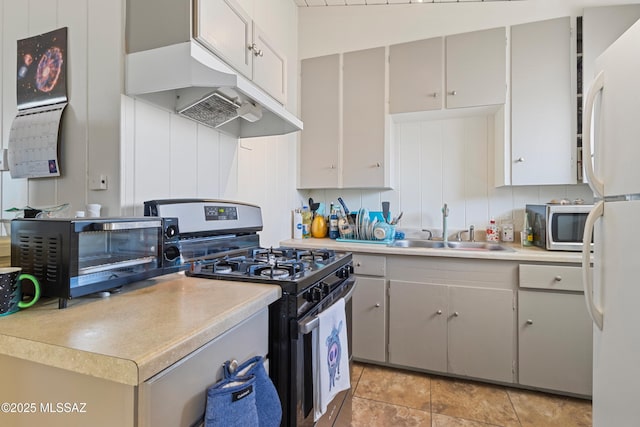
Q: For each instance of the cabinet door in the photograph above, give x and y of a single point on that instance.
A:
(542, 136)
(370, 319)
(415, 76)
(555, 341)
(418, 325)
(225, 28)
(476, 68)
(364, 150)
(320, 109)
(269, 66)
(481, 333)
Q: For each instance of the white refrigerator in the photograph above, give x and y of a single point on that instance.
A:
(612, 289)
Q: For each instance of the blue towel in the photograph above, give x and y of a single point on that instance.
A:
(232, 403)
(267, 400)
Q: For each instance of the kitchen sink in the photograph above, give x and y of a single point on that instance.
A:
(416, 243)
(438, 244)
(478, 246)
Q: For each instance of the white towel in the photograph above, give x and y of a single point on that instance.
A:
(330, 357)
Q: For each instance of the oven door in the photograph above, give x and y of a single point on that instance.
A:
(302, 352)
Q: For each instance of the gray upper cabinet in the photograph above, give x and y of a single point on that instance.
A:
(474, 73)
(365, 153)
(542, 136)
(320, 108)
(476, 68)
(344, 143)
(227, 31)
(415, 76)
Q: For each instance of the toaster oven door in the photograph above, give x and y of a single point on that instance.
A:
(115, 251)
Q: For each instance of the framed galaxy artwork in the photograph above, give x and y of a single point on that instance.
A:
(42, 69)
(41, 88)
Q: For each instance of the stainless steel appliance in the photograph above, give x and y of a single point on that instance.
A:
(558, 227)
(219, 240)
(76, 257)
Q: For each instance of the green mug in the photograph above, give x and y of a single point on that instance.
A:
(11, 290)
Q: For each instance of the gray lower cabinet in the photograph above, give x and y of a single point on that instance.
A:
(555, 333)
(555, 345)
(177, 395)
(460, 330)
(369, 319)
(370, 308)
(418, 325)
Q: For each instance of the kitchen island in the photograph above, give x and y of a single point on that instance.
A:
(142, 356)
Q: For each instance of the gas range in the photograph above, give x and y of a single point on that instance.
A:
(295, 270)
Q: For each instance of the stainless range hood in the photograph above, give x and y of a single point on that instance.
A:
(188, 79)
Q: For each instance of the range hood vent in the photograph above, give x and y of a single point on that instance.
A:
(187, 79)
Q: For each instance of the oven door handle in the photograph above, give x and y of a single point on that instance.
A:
(309, 326)
(125, 225)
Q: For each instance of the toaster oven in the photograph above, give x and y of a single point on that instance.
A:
(76, 257)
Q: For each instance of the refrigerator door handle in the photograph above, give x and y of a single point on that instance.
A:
(587, 139)
(587, 273)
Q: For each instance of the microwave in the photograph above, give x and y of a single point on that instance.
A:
(77, 257)
(558, 227)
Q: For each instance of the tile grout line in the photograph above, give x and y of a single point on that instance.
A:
(513, 406)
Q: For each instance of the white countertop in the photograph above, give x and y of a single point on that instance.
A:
(519, 253)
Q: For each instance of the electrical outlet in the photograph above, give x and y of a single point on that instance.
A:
(98, 182)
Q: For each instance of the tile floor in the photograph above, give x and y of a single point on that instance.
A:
(393, 398)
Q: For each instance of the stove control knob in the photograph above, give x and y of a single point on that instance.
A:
(316, 294)
(326, 288)
(344, 272)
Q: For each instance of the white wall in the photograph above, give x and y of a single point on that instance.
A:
(437, 161)
(90, 124)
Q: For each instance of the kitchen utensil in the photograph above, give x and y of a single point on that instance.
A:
(347, 214)
(385, 211)
(395, 220)
(313, 206)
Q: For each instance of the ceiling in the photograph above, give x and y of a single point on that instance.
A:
(309, 3)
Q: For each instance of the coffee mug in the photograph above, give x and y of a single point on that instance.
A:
(11, 290)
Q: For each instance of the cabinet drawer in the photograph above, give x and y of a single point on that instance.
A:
(370, 265)
(563, 278)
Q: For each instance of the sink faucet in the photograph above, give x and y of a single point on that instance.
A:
(471, 231)
(426, 230)
(445, 214)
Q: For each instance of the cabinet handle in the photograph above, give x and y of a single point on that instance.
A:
(456, 314)
(332, 167)
(558, 278)
(256, 51)
(434, 94)
(439, 312)
(453, 93)
(377, 305)
(520, 160)
(378, 164)
(357, 264)
(529, 322)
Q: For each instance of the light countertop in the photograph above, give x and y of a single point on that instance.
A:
(519, 253)
(130, 336)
